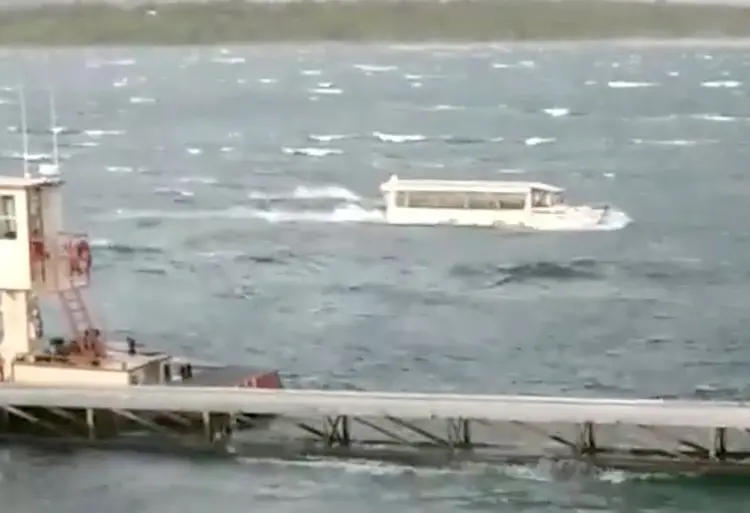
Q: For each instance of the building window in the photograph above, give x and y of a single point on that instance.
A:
(8, 221)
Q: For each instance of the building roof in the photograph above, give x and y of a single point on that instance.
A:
(21, 182)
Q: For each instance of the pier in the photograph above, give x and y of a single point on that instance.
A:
(85, 387)
(648, 435)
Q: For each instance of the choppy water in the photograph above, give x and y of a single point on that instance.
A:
(230, 197)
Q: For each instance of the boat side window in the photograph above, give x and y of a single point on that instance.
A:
(481, 201)
(8, 222)
(401, 199)
(511, 201)
(435, 200)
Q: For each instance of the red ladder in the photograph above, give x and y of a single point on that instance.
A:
(79, 319)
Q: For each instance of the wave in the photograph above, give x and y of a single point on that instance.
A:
(312, 152)
(304, 192)
(347, 213)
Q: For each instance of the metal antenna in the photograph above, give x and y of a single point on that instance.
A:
(24, 133)
(53, 121)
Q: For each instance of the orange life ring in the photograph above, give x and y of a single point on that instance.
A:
(80, 258)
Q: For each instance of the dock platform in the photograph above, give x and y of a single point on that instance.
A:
(648, 435)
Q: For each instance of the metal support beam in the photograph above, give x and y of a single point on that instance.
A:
(459, 433)
(337, 431)
(718, 443)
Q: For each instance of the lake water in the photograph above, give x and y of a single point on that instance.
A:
(230, 196)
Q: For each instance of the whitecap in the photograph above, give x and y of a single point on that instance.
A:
(713, 117)
(308, 192)
(729, 84)
(372, 68)
(520, 64)
(119, 169)
(343, 214)
(174, 192)
(311, 72)
(141, 100)
(326, 137)
(444, 106)
(115, 62)
(622, 84)
(326, 90)
(330, 191)
(194, 151)
(205, 180)
(312, 152)
(399, 138)
(267, 80)
(668, 142)
(557, 112)
(101, 133)
(228, 60)
(536, 141)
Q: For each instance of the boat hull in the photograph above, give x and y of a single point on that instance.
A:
(569, 218)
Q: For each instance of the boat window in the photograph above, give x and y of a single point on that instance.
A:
(496, 201)
(511, 201)
(401, 199)
(8, 222)
(545, 199)
(436, 200)
(481, 201)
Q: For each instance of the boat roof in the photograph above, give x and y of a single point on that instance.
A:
(498, 186)
(22, 182)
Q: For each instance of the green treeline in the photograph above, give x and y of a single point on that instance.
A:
(366, 20)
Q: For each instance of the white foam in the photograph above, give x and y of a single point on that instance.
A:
(174, 192)
(101, 133)
(669, 142)
(536, 141)
(327, 137)
(228, 60)
(115, 62)
(729, 84)
(713, 117)
(342, 214)
(331, 191)
(119, 169)
(622, 84)
(373, 68)
(309, 192)
(398, 138)
(557, 112)
(205, 180)
(311, 72)
(326, 90)
(443, 106)
(141, 100)
(312, 152)
(194, 151)
(520, 64)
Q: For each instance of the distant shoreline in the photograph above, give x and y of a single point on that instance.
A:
(394, 21)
